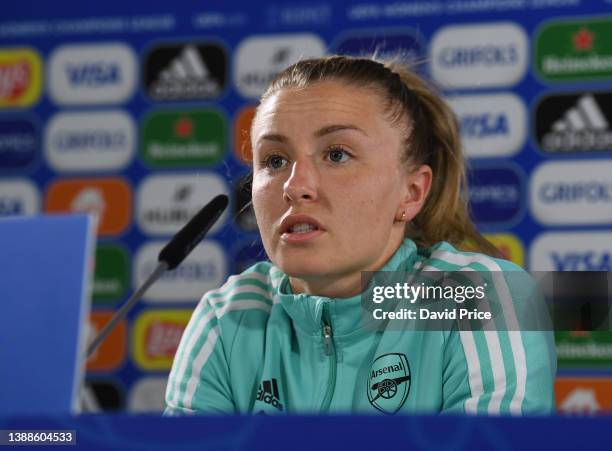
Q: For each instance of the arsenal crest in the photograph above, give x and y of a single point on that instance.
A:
(389, 382)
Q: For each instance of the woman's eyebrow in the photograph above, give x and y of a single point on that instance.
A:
(337, 127)
(277, 137)
(274, 137)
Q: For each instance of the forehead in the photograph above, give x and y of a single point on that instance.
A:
(319, 104)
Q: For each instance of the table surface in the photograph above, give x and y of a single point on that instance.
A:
(150, 433)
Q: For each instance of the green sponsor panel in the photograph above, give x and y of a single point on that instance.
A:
(111, 276)
(183, 138)
(574, 50)
(584, 349)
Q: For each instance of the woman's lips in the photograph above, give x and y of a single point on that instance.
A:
(293, 237)
(298, 228)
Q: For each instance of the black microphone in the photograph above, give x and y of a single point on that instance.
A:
(169, 257)
(192, 233)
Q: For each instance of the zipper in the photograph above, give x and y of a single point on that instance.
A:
(330, 351)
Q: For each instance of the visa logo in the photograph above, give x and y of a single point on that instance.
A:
(11, 207)
(95, 74)
(581, 261)
(484, 125)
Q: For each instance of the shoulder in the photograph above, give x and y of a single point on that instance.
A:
(250, 292)
(512, 295)
(508, 280)
(444, 256)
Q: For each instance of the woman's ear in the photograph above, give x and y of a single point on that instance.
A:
(418, 184)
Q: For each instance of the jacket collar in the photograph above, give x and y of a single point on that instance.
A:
(345, 315)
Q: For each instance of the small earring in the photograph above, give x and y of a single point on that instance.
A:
(403, 216)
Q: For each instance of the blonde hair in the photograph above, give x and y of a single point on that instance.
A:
(432, 138)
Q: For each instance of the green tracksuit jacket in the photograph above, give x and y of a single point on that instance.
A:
(252, 346)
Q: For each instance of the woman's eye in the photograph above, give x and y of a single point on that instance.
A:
(338, 155)
(275, 162)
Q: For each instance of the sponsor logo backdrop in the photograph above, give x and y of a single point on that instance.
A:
(143, 117)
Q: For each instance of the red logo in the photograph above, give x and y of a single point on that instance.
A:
(583, 40)
(15, 77)
(183, 128)
(162, 339)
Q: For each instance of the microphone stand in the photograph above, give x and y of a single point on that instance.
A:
(120, 314)
(169, 258)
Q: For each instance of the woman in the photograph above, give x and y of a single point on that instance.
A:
(357, 166)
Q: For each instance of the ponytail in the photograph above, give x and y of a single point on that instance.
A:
(435, 140)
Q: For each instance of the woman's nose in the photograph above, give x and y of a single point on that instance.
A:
(302, 183)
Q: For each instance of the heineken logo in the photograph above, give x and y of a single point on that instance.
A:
(389, 382)
(573, 50)
(183, 138)
(583, 40)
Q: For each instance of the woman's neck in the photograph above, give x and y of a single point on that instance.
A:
(328, 286)
(341, 285)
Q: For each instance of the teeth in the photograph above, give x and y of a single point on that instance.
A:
(302, 228)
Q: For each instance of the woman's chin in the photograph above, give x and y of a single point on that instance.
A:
(302, 270)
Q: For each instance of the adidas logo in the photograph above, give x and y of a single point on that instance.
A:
(583, 127)
(268, 393)
(586, 115)
(185, 76)
(187, 65)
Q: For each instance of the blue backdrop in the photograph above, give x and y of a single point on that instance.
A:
(140, 111)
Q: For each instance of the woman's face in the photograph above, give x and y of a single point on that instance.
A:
(328, 186)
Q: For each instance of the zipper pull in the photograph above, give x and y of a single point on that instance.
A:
(327, 331)
(327, 339)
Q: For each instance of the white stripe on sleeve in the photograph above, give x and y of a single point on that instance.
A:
(516, 343)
